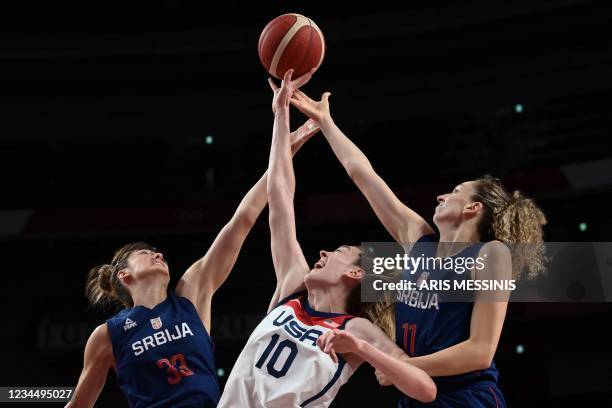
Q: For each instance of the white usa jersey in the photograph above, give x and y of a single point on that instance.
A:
(281, 364)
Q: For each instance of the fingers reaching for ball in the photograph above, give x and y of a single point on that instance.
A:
(272, 85)
(283, 95)
(287, 77)
(301, 81)
(293, 84)
(318, 111)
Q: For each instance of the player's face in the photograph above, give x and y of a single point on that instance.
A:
(451, 206)
(332, 266)
(144, 263)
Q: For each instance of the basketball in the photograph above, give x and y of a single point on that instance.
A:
(291, 41)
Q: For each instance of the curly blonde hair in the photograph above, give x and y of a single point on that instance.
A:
(514, 220)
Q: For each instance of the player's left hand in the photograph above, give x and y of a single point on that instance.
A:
(338, 341)
(282, 95)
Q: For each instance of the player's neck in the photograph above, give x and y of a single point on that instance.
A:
(460, 234)
(150, 295)
(327, 300)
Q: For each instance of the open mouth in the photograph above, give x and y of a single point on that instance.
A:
(319, 265)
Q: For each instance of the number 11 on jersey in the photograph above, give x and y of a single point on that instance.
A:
(409, 337)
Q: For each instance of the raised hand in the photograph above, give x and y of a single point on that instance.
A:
(318, 111)
(282, 95)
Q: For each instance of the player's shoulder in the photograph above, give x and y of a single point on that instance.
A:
(100, 333)
(495, 249)
(99, 347)
(360, 325)
(100, 339)
(498, 260)
(494, 245)
(365, 329)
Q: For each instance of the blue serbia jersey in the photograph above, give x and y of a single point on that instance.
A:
(164, 356)
(426, 324)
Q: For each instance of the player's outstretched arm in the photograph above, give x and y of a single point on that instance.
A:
(96, 363)
(366, 341)
(289, 263)
(403, 224)
(206, 275)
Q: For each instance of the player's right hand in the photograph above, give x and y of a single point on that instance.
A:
(318, 111)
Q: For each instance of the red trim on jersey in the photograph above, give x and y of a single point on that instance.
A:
(333, 322)
(494, 396)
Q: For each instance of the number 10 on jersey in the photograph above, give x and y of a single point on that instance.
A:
(278, 350)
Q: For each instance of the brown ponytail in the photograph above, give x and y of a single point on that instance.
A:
(514, 220)
(103, 287)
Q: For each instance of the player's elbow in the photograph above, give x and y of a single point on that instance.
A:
(483, 357)
(424, 390)
(429, 391)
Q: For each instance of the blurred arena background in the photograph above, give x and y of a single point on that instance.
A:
(148, 120)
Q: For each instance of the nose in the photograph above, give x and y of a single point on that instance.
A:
(158, 255)
(323, 253)
(441, 198)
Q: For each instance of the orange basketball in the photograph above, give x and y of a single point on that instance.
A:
(291, 41)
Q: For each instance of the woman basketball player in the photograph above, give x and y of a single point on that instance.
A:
(453, 342)
(159, 344)
(282, 364)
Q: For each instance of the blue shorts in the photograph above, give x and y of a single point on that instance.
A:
(482, 394)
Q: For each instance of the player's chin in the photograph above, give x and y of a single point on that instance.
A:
(435, 218)
(161, 270)
(439, 215)
(310, 277)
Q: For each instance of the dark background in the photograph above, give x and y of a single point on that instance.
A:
(106, 107)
